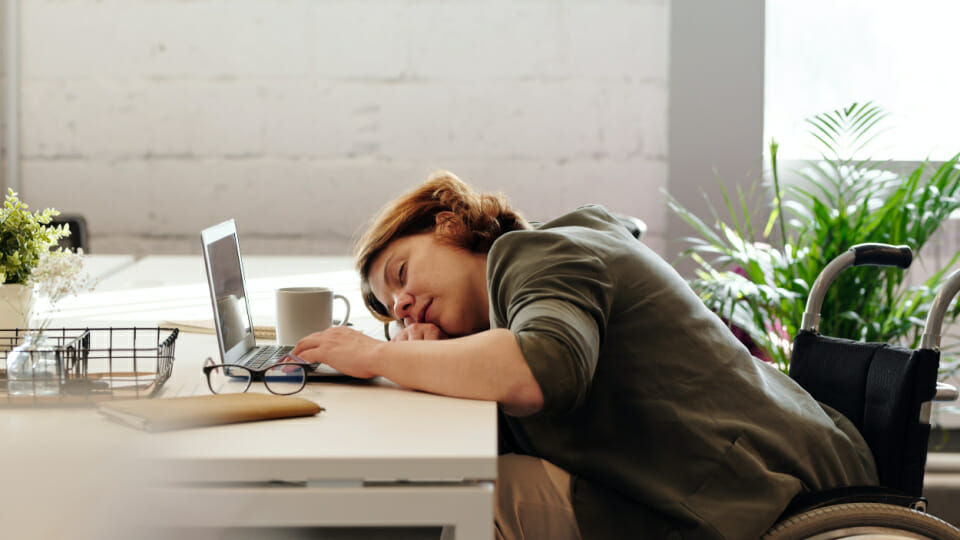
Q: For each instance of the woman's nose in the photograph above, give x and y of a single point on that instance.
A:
(403, 306)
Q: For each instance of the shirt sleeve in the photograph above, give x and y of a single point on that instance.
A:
(554, 294)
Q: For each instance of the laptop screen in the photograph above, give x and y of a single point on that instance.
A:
(225, 275)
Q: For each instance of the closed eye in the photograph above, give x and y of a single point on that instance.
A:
(401, 272)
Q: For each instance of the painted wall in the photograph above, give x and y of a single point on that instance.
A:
(301, 118)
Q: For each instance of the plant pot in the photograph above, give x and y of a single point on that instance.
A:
(16, 303)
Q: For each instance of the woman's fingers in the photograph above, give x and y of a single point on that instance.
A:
(346, 350)
(316, 339)
(420, 331)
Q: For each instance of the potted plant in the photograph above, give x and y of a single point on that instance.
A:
(759, 278)
(24, 238)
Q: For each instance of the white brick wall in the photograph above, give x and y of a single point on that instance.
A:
(301, 118)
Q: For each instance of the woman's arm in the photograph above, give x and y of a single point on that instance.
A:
(487, 365)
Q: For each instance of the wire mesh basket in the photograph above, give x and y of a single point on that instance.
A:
(78, 366)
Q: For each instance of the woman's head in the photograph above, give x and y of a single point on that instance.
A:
(442, 222)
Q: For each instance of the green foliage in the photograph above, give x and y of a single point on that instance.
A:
(842, 200)
(24, 237)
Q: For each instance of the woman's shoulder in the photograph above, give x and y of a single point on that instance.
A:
(567, 258)
(586, 242)
(591, 216)
(589, 228)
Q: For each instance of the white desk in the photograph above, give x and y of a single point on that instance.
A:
(378, 456)
(102, 266)
(174, 287)
(174, 270)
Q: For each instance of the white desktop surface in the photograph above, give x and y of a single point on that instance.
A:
(370, 430)
(102, 266)
(173, 270)
(174, 287)
(378, 454)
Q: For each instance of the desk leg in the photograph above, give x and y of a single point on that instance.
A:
(468, 529)
(470, 525)
(464, 510)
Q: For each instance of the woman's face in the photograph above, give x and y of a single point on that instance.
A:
(422, 280)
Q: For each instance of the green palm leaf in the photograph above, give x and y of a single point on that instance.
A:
(839, 200)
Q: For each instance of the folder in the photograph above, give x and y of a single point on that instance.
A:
(205, 326)
(165, 414)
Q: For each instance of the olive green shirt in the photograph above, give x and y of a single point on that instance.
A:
(669, 428)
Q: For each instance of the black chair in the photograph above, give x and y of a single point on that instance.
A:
(636, 226)
(886, 391)
(78, 232)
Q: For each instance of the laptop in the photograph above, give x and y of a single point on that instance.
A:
(231, 305)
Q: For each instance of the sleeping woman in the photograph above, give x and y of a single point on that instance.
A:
(629, 410)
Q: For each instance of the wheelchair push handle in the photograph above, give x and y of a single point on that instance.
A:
(933, 327)
(858, 255)
(938, 309)
(882, 255)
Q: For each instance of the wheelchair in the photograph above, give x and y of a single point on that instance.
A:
(887, 392)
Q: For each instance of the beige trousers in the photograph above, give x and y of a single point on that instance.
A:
(533, 500)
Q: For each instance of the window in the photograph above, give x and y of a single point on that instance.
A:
(825, 54)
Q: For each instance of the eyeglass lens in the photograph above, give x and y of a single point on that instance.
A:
(279, 379)
(285, 378)
(228, 380)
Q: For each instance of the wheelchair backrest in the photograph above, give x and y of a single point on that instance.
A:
(880, 388)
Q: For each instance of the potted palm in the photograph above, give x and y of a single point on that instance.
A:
(757, 273)
(25, 237)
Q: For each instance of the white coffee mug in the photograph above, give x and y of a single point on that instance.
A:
(302, 311)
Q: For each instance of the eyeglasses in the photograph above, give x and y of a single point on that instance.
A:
(283, 378)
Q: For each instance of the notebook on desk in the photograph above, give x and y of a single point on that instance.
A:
(232, 320)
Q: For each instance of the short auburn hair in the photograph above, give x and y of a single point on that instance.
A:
(475, 220)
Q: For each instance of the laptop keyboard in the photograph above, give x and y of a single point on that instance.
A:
(268, 355)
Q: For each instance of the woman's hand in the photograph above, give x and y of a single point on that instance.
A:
(420, 331)
(344, 349)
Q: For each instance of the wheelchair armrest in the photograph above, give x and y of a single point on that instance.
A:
(946, 392)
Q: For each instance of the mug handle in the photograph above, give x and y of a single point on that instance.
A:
(346, 303)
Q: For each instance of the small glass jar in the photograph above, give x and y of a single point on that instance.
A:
(33, 368)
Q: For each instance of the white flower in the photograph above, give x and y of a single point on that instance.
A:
(60, 274)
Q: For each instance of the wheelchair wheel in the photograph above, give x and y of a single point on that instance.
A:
(862, 521)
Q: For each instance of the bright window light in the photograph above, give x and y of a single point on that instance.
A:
(823, 55)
